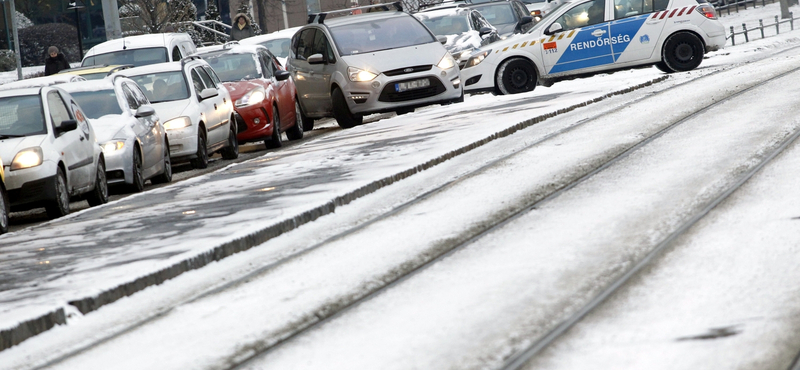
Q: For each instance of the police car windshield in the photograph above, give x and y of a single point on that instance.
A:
(233, 67)
(377, 35)
(97, 103)
(21, 116)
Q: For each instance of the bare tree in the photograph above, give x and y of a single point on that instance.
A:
(154, 16)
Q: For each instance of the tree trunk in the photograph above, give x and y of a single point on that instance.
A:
(262, 16)
(785, 9)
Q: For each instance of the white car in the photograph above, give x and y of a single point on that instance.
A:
(53, 149)
(278, 42)
(590, 36)
(42, 81)
(134, 141)
(194, 105)
(141, 50)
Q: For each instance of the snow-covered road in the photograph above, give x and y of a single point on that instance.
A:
(473, 305)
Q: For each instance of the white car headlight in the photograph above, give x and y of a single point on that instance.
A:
(477, 58)
(360, 75)
(255, 96)
(27, 158)
(177, 123)
(112, 146)
(447, 62)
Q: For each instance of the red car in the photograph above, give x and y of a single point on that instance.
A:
(263, 94)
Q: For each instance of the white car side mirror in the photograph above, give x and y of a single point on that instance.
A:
(208, 93)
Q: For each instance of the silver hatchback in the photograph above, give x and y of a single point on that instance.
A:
(372, 62)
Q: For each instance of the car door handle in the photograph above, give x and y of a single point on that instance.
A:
(82, 139)
(598, 33)
(215, 106)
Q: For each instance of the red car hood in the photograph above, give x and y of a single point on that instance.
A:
(239, 88)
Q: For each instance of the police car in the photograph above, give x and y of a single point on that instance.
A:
(589, 36)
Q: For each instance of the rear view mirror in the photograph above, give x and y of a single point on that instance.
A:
(316, 59)
(66, 126)
(282, 75)
(442, 39)
(485, 31)
(145, 111)
(208, 93)
(555, 27)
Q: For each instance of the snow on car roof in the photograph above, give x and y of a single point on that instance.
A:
(441, 12)
(91, 85)
(20, 91)
(42, 81)
(151, 68)
(135, 42)
(282, 34)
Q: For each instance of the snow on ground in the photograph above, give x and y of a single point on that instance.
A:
(483, 108)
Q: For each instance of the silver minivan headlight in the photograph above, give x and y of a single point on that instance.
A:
(447, 62)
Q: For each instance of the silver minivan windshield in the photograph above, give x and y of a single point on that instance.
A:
(376, 35)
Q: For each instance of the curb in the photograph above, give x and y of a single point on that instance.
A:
(12, 336)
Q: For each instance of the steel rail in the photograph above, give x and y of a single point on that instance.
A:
(519, 359)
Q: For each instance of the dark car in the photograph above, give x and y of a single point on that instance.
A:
(465, 29)
(509, 17)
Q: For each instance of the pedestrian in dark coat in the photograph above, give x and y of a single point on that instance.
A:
(54, 62)
(241, 27)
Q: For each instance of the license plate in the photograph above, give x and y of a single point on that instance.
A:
(411, 85)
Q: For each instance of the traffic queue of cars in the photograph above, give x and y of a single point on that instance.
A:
(160, 101)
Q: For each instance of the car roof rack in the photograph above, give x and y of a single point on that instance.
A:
(455, 3)
(319, 18)
(189, 59)
(229, 44)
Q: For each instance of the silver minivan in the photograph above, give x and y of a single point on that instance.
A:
(349, 66)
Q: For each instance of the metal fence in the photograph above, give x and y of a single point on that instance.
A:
(760, 29)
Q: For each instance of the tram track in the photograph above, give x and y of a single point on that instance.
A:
(511, 215)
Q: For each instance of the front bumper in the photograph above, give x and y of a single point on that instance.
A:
(119, 165)
(28, 188)
(253, 123)
(479, 77)
(381, 95)
(183, 142)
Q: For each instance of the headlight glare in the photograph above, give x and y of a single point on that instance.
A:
(113, 146)
(360, 75)
(477, 58)
(253, 97)
(177, 123)
(27, 158)
(447, 62)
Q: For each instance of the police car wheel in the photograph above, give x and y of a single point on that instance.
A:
(683, 51)
(516, 76)
(663, 67)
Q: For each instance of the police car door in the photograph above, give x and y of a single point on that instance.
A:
(636, 29)
(583, 44)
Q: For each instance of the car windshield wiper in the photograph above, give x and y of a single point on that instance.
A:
(8, 136)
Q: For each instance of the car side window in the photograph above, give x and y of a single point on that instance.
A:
(628, 8)
(197, 82)
(305, 43)
(213, 76)
(58, 109)
(322, 46)
(176, 54)
(583, 15)
(138, 94)
(130, 98)
(206, 78)
(266, 64)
